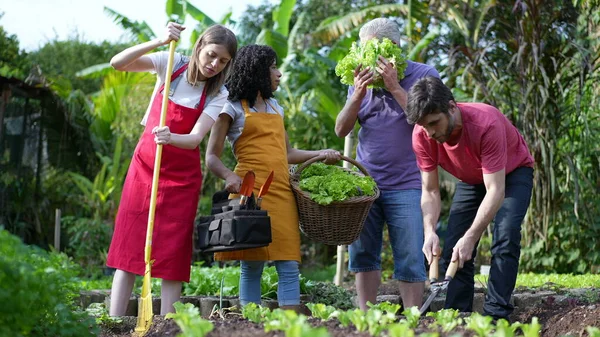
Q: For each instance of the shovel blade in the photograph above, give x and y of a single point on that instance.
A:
(434, 293)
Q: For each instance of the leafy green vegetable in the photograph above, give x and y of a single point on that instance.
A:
(401, 329)
(447, 319)
(328, 183)
(367, 55)
(187, 317)
(412, 315)
(330, 294)
(481, 325)
(321, 310)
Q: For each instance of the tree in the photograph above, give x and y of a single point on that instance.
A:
(61, 60)
(539, 64)
(13, 62)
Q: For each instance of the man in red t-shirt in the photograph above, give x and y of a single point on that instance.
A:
(478, 145)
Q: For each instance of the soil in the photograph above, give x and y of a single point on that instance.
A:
(570, 317)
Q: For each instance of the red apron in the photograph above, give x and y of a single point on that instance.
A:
(177, 200)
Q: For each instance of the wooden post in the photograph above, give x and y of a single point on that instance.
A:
(340, 268)
(57, 229)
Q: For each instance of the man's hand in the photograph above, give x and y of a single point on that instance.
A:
(388, 73)
(362, 78)
(431, 247)
(463, 251)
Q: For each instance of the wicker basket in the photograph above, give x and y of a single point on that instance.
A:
(338, 223)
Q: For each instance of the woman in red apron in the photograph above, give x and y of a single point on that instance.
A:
(253, 122)
(195, 99)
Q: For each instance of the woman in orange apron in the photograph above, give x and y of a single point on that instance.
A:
(252, 121)
(197, 96)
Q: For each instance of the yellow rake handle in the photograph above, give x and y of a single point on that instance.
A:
(159, 147)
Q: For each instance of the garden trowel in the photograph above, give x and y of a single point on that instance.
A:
(438, 286)
(264, 189)
(247, 187)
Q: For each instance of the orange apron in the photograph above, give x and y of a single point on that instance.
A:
(262, 148)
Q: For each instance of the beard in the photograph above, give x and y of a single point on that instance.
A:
(444, 138)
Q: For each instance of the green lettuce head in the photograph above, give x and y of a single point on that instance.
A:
(367, 55)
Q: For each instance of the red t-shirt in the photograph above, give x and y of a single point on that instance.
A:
(488, 143)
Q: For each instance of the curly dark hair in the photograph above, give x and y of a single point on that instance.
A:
(251, 74)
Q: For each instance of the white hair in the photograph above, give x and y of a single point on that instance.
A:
(380, 28)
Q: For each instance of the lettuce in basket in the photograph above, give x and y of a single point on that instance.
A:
(367, 55)
(328, 183)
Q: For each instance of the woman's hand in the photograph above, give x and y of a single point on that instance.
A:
(331, 156)
(162, 135)
(172, 32)
(233, 183)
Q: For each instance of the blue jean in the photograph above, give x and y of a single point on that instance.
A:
(288, 290)
(401, 210)
(506, 243)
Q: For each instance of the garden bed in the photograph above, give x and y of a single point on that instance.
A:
(560, 314)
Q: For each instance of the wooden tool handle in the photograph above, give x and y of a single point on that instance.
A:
(451, 271)
(434, 269)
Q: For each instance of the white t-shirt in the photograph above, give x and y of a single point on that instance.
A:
(236, 111)
(185, 94)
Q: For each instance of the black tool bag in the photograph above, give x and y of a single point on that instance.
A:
(231, 226)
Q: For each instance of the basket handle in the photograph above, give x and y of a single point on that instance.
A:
(322, 157)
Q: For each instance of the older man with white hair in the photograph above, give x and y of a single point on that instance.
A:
(385, 150)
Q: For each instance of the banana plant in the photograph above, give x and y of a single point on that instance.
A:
(101, 194)
(277, 36)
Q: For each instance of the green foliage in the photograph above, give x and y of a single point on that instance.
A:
(95, 284)
(318, 272)
(367, 55)
(532, 329)
(447, 319)
(401, 329)
(189, 321)
(292, 324)
(207, 281)
(37, 289)
(330, 294)
(255, 313)
(61, 60)
(100, 196)
(13, 61)
(548, 87)
(88, 241)
(321, 310)
(328, 183)
(481, 325)
(593, 331)
(288, 321)
(385, 307)
(505, 329)
(98, 310)
(570, 281)
(412, 315)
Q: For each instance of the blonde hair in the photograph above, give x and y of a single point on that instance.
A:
(380, 28)
(215, 34)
